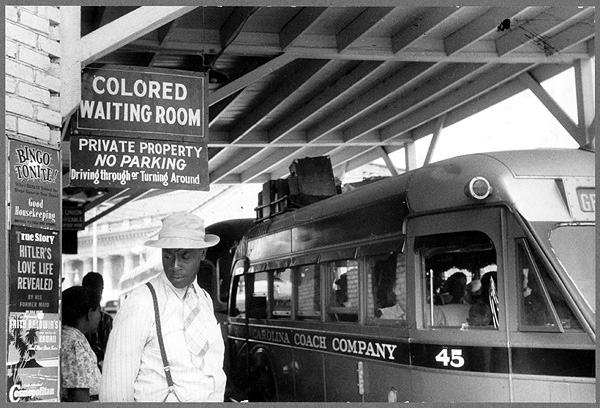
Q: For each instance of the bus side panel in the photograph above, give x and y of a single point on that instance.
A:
(436, 386)
(341, 379)
(282, 363)
(381, 379)
(308, 367)
(549, 389)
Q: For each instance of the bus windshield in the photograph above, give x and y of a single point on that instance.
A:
(575, 248)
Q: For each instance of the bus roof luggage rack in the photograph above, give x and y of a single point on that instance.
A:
(311, 180)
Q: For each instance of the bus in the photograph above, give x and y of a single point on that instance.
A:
(467, 280)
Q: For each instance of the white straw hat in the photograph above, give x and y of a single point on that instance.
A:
(183, 230)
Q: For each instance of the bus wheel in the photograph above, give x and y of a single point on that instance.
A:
(262, 385)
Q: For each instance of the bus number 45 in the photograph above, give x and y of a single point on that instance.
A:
(451, 357)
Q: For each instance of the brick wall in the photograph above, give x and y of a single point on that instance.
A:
(32, 73)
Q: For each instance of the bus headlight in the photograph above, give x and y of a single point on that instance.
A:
(478, 188)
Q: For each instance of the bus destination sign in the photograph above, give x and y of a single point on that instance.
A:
(587, 199)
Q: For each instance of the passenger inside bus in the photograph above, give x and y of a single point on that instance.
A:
(439, 318)
(396, 310)
(455, 289)
(456, 308)
(340, 288)
(488, 298)
(480, 314)
(458, 260)
(541, 299)
(344, 297)
(389, 290)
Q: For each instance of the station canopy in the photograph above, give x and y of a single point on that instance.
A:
(353, 83)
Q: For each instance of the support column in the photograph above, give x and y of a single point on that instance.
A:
(129, 262)
(70, 270)
(553, 107)
(386, 158)
(87, 267)
(107, 275)
(410, 153)
(70, 67)
(584, 86)
(439, 125)
(118, 262)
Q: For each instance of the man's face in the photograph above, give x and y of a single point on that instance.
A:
(181, 265)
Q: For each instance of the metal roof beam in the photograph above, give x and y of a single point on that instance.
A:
(487, 23)
(420, 26)
(272, 101)
(452, 100)
(279, 155)
(361, 26)
(249, 78)
(135, 194)
(70, 62)
(239, 158)
(330, 95)
(164, 33)
(386, 158)
(536, 31)
(305, 19)
(487, 100)
(123, 30)
(366, 49)
(439, 126)
(586, 108)
(234, 25)
(401, 79)
(553, 107)
(412, 99)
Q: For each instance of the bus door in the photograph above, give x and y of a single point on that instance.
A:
(260, 348)
(457, 314)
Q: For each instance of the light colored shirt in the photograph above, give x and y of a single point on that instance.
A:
(78, 363)
(133, 368)
(456, 313)
(392, 312)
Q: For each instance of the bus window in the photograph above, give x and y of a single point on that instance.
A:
(344, 294)
(239, 290)
(575, 248)
(540, 300)
(258, 289)
(282, 293)
(308, 286)
(459, 280)
(386, 277)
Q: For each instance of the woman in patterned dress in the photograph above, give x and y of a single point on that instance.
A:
(80, 376)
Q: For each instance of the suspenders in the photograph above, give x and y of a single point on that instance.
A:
(163, 353)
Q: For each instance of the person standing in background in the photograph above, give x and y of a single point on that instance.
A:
(98, 339)
(192, 370)
(79, 372)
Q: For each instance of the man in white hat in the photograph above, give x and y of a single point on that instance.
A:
(134, 368)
